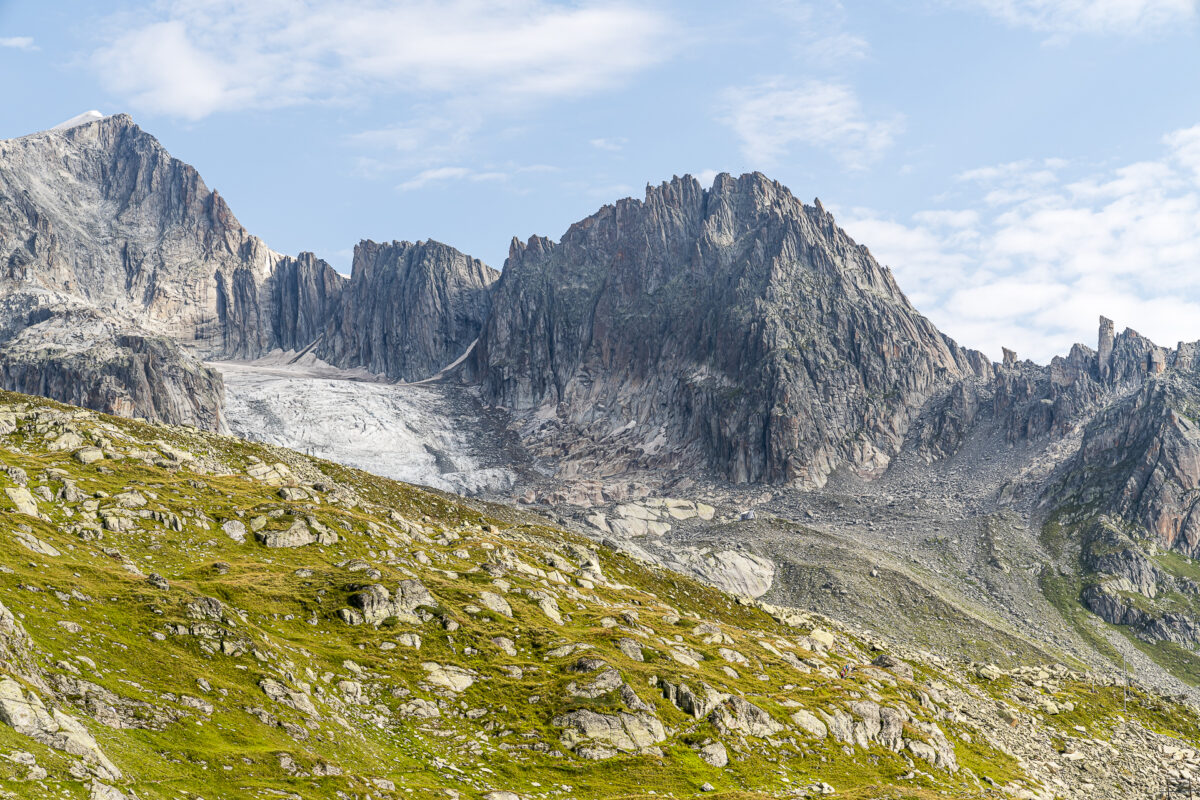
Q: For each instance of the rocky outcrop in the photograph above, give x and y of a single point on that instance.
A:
(732, 328)
(100, 217)
(1107, 602)
(74, 354)
(409, 310)
(25, 713)
(376, 604)
(1139, 458)
(1031, 401)
(596, 736)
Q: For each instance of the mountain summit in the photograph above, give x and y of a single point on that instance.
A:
(731, 328)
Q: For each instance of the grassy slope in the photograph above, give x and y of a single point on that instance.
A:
(498, 733)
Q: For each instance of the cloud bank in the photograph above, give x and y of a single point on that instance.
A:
(1050, 246)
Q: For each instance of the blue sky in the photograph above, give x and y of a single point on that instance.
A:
(1022, 165)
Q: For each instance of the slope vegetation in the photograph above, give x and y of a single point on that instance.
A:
(189, 615)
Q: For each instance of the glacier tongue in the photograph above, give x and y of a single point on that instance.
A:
(428, 433)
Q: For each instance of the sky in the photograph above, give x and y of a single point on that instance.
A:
(1023, 166)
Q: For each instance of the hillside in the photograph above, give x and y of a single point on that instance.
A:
(189, 615)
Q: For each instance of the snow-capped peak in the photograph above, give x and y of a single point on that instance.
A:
(80, 119)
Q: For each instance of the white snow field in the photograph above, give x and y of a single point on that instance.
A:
(426, 433)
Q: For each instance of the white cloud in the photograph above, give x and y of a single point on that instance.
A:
(442, 174)
(1185, 145)
(160, 68)
(612, 145)
(1047, 247)
(774, 116)
(818, 31)
(18, 42)
(1064, 18)
(197, 57)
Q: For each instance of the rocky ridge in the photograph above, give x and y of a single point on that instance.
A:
(728, 348)
(409, 310)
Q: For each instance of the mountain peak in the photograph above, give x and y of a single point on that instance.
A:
(735, 303)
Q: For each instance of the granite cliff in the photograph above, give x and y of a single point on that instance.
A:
(718, 379)
(408, 309)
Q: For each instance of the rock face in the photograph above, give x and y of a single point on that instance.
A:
(73, 353)
(304, 292)
(102, 212)
(409, 309)
(732, 328)
(1139, 455)
(1142, 455)
(112, 251)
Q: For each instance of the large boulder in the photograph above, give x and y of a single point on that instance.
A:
(594, 735)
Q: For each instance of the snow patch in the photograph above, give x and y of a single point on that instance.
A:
(79, 119)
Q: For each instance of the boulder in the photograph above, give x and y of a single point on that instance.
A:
(411, 594)
(25, 714)
(698, 704)
(495, 603)
(88, 455)
(455, 679)
(623, 732)
(547, 604)
(631, 648)
(809, 723)
(715, 754)
(23, 500)
(890, 662)
(607, 681)
(235, 530)
(736, 715)
(33, 543)
(298, 535)
(840, 725)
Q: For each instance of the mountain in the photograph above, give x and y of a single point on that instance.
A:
(95, 213)
(732, 329)
(183, 614)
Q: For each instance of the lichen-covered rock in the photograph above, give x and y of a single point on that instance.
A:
(698, 704)
(25, 713)
(595, 735)
(496, 603)
(715, 754)
(235, 529)
(448, 676)
(737, 715)
(376, 603)
(297, 535)
(809, 723)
